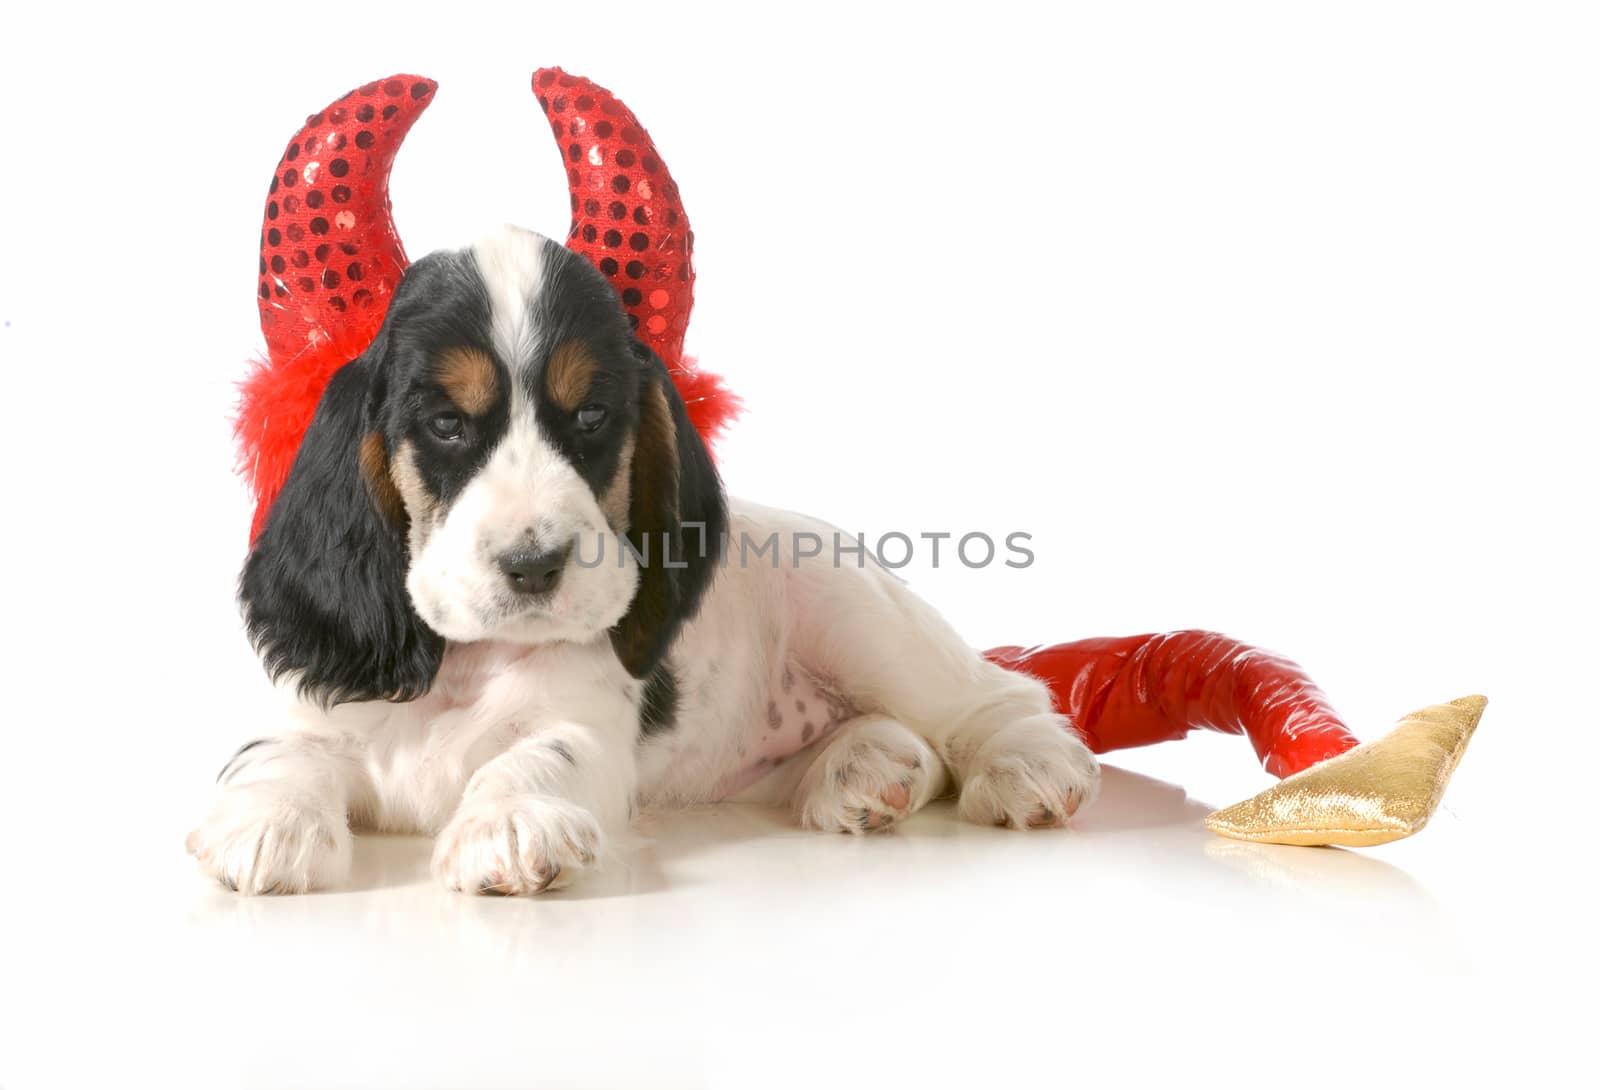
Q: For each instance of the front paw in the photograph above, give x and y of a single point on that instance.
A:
(1032, 774)
(260, 838)
(516, 846)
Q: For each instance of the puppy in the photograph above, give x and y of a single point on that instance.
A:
(515, 608)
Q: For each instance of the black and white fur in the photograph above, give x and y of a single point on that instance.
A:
(457, 673)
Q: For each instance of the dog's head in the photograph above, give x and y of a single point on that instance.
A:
(507, 462)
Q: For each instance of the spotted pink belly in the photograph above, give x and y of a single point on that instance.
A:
(801, 709)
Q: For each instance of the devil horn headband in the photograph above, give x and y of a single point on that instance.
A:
(331, 256)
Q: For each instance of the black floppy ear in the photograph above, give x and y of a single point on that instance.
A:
(324, 586)
(677, 517)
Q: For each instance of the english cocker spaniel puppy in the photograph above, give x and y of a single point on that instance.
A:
(516, 609)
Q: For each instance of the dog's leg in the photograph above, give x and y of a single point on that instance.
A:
(537, 814)
(869, 775)
(279, 823)
(1015, 761)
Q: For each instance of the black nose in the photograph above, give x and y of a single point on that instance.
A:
(532, 572)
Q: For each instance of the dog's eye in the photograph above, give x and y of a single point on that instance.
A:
(590, 417)
(446, 425)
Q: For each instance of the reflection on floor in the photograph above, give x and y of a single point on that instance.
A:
(1143, 836)
(716, 943)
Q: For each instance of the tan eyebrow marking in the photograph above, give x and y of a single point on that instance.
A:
(569, 374)
(469, 379)
(374, 462)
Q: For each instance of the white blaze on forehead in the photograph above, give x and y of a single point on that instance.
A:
(511, 262)
(526, 481)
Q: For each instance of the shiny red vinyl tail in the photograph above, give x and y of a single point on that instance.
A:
(1130, 691)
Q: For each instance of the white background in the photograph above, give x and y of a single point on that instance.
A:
(1272, 318)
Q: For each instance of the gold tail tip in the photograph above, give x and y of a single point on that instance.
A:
(1382, 790)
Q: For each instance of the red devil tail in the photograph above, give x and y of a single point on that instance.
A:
(1138, 690)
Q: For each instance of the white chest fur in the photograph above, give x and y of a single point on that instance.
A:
(415, 759)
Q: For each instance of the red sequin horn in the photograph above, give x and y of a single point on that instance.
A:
(330, 261)
(628, 219)
(331, 257)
